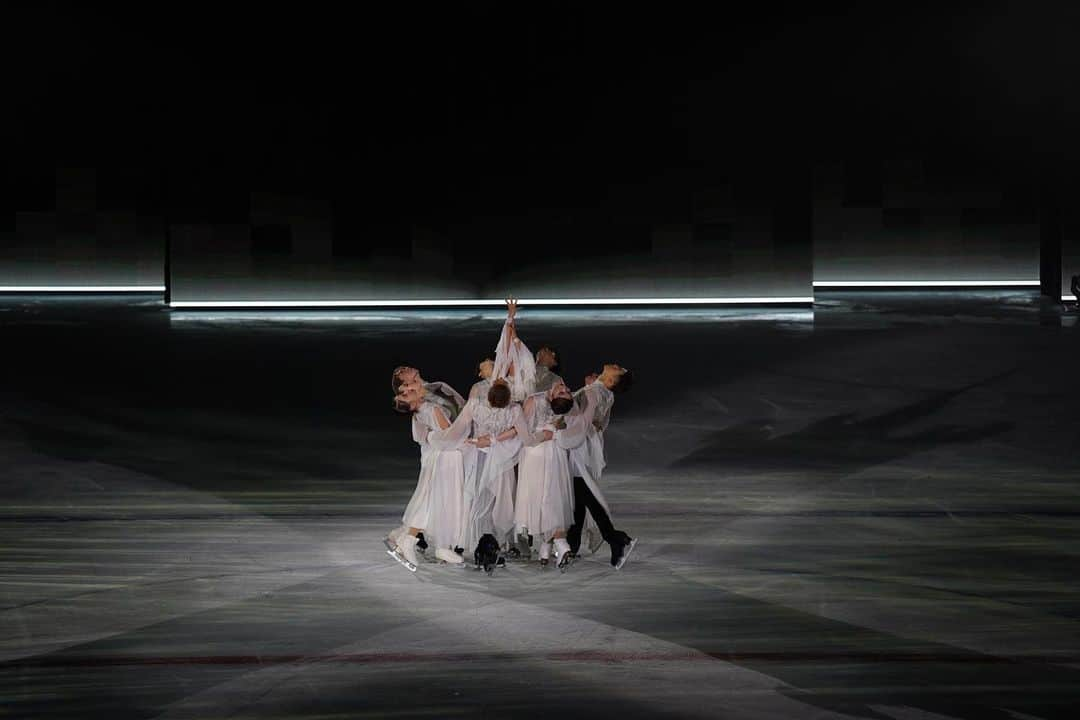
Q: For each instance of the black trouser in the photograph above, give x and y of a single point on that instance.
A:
(585, 500)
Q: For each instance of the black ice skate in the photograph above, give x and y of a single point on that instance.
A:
(621, 547)
(486, 555)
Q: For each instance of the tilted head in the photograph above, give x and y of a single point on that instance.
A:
(560, 398)
(547, 356)
(403, 374)
(409, 397)
(485, 368)
(616, 378)
(499, 394)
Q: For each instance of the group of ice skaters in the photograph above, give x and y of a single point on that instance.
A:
(513, 470)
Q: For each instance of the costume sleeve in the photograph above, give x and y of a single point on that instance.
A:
(515, 352)
(446, 396)
(523, 421)
(419, 429)
(453, 437)
(603, 401)
(577, 427)
(503, 455)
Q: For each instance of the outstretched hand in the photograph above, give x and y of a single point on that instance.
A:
(511, 308)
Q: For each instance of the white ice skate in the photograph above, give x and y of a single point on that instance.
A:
(449, 556)
(393, 538)
(545, 554)
(405, 553)
(562, 553)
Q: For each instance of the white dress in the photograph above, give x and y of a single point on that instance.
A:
(545, 496)
(437, 504)
(491, 485)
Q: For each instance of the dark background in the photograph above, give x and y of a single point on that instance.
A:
(471, 149)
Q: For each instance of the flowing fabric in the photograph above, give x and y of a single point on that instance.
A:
(437, 504)
(523, 380)
(545, 497)
(587, 459)
(491, 485)
(446, 397)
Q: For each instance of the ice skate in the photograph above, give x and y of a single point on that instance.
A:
(563, 553)
(521, 550)
(393, 538)
(405, 553)
(545, 554)
(621, 549)
(487, 555)
(448, 556)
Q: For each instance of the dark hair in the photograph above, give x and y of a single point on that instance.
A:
(626, 381)
(557, 368)
(561, 405)
(499, 394)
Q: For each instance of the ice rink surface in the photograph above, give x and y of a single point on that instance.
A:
(871, 510)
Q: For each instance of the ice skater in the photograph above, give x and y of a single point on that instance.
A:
(436, 507)
(492, 483)
(544, 506)
(483, 371)
(587, 462)
(439, 393)
(547, 368)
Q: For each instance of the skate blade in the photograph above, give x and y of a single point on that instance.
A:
(402, 561)
(626, 555)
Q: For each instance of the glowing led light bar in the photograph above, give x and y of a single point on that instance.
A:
(236, 304)
(82, 288)
(925, 283)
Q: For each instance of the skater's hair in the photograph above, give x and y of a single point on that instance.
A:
(395, 379)
(561, 405)
(626, 381)
(499, 394)
(557, 368)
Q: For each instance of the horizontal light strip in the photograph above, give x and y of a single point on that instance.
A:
(477, 303)
(925, 283)
(1068, 298)
(81, 288)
